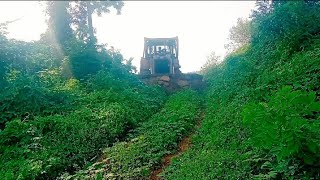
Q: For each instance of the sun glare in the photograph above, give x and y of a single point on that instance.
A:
(202, 27)
(28, 17)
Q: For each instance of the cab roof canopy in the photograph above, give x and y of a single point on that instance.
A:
(161, 41)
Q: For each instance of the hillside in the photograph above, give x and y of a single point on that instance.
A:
(262, 116)
(74, 109)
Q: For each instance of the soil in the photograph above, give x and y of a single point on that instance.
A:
(184, 145)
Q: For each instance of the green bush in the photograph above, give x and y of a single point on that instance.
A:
(26, 97)
(286, 127)
(62, 140)
(284, 51)
(143, 151)
(62, 102)
(45, 146)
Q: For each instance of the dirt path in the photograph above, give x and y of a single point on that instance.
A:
(184, 145)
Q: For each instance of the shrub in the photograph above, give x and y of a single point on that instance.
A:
(48, 144)
(280, 137)
(286, 127)
(135, 158)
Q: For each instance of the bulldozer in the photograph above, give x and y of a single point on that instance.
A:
(160, 65)
(160, 56)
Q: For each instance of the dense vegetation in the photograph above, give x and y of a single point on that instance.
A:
(262, 120)
(71, 108)
(63, 101)
(45, 145)
(136, 157)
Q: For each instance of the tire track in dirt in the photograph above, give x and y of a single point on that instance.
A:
(183, 145)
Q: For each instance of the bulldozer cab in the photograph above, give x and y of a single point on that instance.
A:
(160, 56)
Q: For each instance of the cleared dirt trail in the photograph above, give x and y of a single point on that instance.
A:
(183, 146)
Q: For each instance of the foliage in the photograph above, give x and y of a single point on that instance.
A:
(278, 136)
(71, 33)
(65, 98)
(62, 100)
(59, 30)
(26, 97)
(212, 61)
(48, 145)
(69, 20)
(82, 12)
(133, 159)
(240, 35)
(286, 127)
(27, 57)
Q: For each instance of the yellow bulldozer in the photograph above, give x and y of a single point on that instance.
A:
(160, 56)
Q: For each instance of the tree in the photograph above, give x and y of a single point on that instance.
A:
(59, 24)
(82, 12)
(263, 7)
(11, 52)
(3, 28)
(3, 41)
(212, 61)
(129, 65)
(240, 35)
(71, 30)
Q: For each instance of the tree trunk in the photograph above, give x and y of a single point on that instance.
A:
(90, 27)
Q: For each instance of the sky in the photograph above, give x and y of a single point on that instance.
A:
(201, 26)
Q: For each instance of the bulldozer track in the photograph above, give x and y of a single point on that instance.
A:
(183, 146)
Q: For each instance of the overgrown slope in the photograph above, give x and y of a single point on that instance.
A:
(262, 119)
(51, 122)
(43, 146)
(136, 157)
(65, 97)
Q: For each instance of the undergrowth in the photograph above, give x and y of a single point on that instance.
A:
(262, 119)
(57, 138)
(143, 151)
